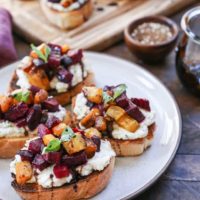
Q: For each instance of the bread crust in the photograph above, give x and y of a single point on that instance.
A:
(65, 97)
(69, 19)
(10, 146)
(133, 147)
(83, 189)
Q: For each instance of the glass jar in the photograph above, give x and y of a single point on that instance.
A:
(188, 51)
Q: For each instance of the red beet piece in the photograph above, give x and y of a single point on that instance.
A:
(21, 122)
(76, 130)
(61, 171)
(54, 61)
(122, 100)
(52, 121)
(75, 160)
(39, 162)
(142, 103)
(134, 112)
(55, 48)
(66, 61)
(35, 146)
(34, 89)
(16, 112)
(43, 130)
(64, 75)
(51, 105)
(52, 157)
(26, 155)
(97, 141)
(76, 55)
(34, 116)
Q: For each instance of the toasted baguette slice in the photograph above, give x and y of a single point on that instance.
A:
(83, 189)
(65, 97)
(69, 19)
(10, 146)
(133, 147)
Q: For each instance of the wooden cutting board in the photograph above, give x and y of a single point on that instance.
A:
(104, 28)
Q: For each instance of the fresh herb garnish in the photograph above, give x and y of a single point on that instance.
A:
(119, 90)
(40, 54)
(54, 145)
(22, 96)
(116, 93)
(67, 134)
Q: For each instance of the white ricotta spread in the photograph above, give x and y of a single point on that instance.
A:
(22, 81)
(61, 114)
(121, 133)
(45, 180)
(99, 161)
(25, 62)
(58, 85)
(9, 129)
(81, 109)
(73, 6)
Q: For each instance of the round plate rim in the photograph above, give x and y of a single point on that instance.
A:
(161, 172)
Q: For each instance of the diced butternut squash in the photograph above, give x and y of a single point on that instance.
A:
(39, 79)
(128, 123)
(89, 119)
(115, 112)
(24, 172)
(58, 129)
(92, 132)
(100, 123)
(90, 148)
(5, 103)
(40, 96)
(93, 94)
(75, 145)
(48, 138)
(64, 48)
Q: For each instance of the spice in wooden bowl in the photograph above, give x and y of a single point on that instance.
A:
(151, 33)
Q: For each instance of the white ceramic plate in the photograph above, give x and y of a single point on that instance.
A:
(131, 175)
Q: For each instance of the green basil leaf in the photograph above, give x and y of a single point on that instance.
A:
(107, 98)
(40, 54)
(22, 96)
(119, 90)
(54, 145)
(67, 134)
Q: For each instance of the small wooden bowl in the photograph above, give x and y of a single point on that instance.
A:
(151, 53)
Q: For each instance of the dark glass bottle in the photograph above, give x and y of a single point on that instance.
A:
(188, 51)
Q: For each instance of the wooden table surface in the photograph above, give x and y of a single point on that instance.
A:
(182, 179)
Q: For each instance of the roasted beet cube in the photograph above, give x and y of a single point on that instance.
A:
(133, 111)
(61, 171)
(76, 55)
(39, 162)
(66, 61)
(64, 75)
(51, 105)
(54, 61)
(122, 100)
(52, 157)
(35, 146)
(43, 130)
(26, 155)
(34, 116)
(21, 122)
(16, 112)
(52, 121)
(142, 103)
(55, 48)
(75, 159)
(34, 89)
(97, 141)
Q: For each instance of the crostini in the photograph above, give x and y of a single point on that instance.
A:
(21, 112)
(67, 14)
(59, 70)
(62, 163)
(128, 123)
